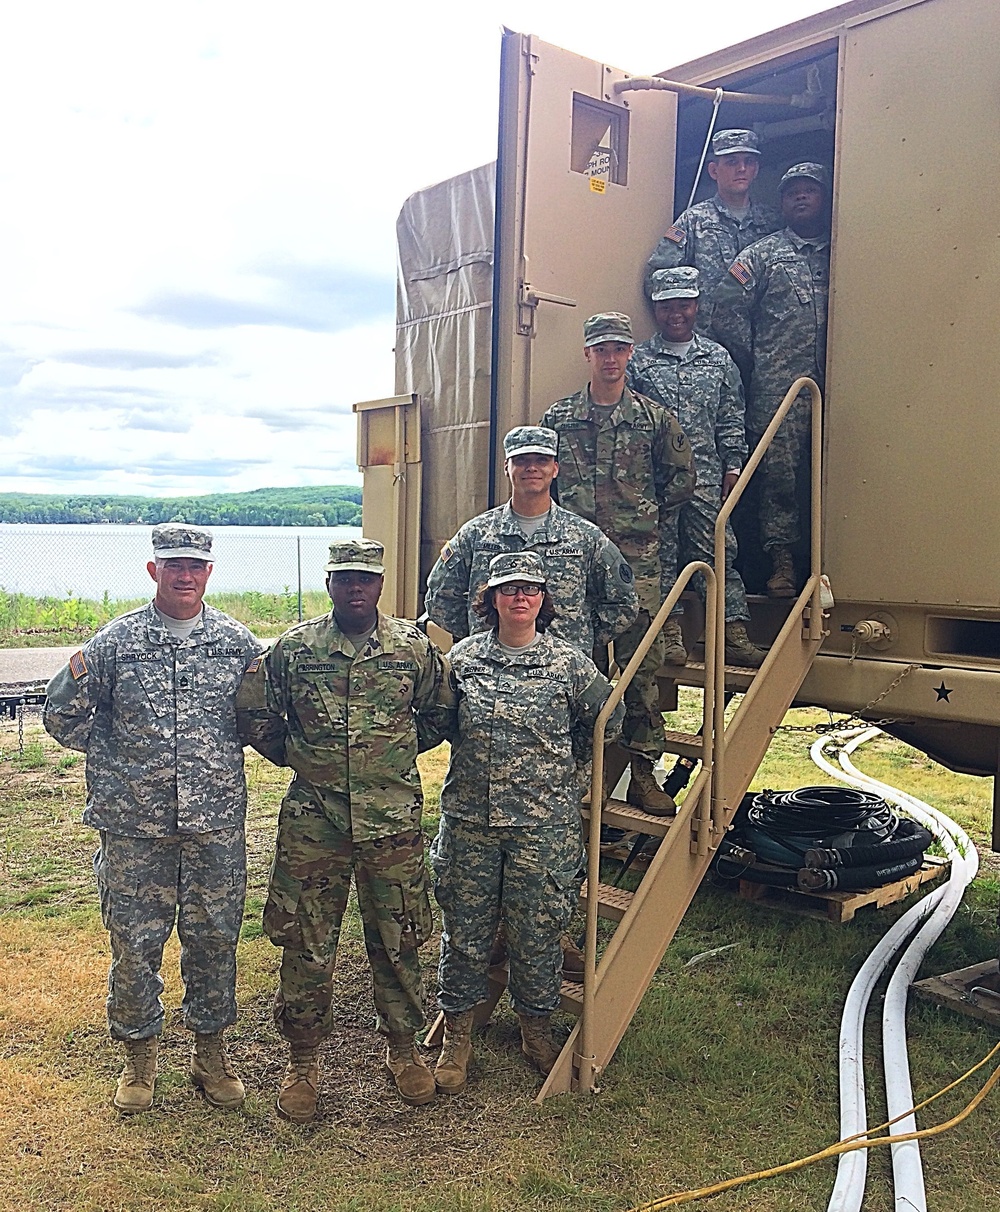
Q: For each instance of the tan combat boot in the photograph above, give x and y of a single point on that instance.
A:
(413, 1079)
(674, 652)
(536, 1041)
(213, 1073)
(740, 649)
(456, 1052)
(782, 582)
(299, 1085)
(572, 959)
(644, 791)
(135, 1086)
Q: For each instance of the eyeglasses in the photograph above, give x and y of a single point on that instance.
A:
(511, 590)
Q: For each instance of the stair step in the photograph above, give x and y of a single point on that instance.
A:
(738, 677)
(620, 815)
(571, 997)
(684, 744)
(612, 903)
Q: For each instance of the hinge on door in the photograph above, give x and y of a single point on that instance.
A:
(527, 302)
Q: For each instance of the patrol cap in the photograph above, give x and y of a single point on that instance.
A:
(729, 142)
(607, 326)
(808, 170)
(356, 555)
(531, 439)
(678, 283)
(516, 566)
(176, 541)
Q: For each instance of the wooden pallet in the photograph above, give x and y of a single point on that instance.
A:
(956, 990)
(841, 906)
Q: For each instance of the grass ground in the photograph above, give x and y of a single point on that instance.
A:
(728, 1067)
(28, 622)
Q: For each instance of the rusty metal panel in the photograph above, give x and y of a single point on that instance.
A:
(578, 214)
(912, 457)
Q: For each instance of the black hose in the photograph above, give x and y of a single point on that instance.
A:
(909, 840)
(857, 877)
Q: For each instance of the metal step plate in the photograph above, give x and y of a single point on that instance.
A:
(612, 903)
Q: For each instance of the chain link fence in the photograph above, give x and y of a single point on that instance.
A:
(101, 562)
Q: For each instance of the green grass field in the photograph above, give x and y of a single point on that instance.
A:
(728, 1067)
(28, 622)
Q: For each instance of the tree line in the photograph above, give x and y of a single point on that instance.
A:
(331, 505)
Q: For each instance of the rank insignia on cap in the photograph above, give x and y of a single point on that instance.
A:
(741, 273)
(675, 234)
(255, 664)
(77, 666)
(446, 553)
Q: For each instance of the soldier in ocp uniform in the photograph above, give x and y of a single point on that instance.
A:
(625, 464)
(699, 383)
(510, 846)
(346, 701)
(711, 234)
(782, 284)
(151, 700)
(588, 577)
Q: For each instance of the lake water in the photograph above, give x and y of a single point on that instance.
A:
(86, 561)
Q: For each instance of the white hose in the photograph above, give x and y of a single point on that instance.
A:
(938, 909)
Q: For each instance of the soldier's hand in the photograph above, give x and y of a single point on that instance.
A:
(729, 483)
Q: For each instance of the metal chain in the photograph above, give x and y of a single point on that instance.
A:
(857, 718)
(20, 729)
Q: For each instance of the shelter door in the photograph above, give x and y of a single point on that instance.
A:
(585, 189)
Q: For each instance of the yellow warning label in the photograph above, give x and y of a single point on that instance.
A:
(597, 186)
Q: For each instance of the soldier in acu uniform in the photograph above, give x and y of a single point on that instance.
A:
(699, 383)
(710, 235)
(151, 700)
(588, 578)
(346, 701)
(782, 285)
(625, 464)
(510, 845)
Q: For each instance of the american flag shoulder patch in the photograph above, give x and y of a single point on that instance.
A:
(446, 553)
(741, 273)
(675, 234)
(255, 664)
(78, 666)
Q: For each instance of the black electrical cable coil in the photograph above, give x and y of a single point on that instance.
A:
(783, 825)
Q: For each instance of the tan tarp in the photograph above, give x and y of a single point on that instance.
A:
(444, 237)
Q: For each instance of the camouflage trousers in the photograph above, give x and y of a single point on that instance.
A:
(144, 884)
(527, 877)
(784, 470)
(306, 901)
(689, 534)
(642, 728)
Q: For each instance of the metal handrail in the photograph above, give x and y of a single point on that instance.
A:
(815, 613)
(587, 1053)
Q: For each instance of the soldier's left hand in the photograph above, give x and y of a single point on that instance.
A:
(729, 483)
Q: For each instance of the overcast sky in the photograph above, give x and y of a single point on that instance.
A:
(197, 212)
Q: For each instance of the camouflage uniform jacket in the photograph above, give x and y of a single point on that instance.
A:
(588, 579)
(350, 725)
(710, 237)
(157, 721)
(704, 392)
(782, 282)
(513, 761)
(623, 474)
